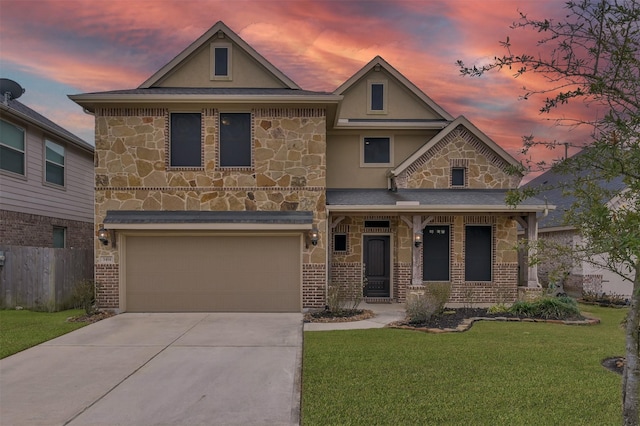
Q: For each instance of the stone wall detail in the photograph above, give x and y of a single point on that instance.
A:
(288, 173)
(484, 168)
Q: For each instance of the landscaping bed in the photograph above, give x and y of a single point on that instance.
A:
(340, 316)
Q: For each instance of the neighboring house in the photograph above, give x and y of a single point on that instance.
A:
(577, 276)
(46, 182)
(221, 185)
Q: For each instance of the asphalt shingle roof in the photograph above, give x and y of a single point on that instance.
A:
(212, 91)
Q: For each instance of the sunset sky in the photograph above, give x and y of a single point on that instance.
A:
(55, 48)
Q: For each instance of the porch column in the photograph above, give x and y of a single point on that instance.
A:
(532, 237)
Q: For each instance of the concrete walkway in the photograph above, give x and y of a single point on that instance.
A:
(385, 313)
(150, 369)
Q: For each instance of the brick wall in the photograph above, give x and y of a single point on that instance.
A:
(23, 229)
(402, 273)
(313, 285)
(107, 285)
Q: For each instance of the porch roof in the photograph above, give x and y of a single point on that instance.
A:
(429, 200)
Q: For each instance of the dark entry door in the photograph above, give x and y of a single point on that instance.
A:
(376, 260)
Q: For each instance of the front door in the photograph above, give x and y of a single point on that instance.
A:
(376, 265)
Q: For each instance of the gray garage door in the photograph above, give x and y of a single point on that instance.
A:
(213, 274)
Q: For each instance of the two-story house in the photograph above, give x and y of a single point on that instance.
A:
(221, 185)
(46, 181)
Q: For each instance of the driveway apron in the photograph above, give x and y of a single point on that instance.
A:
(160, 369)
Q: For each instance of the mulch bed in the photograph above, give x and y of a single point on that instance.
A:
(343, 316)
(91, 318)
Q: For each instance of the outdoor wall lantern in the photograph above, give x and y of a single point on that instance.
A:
(417, 239)
(313, 236)
(103, 236)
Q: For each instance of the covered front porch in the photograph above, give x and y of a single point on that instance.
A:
(392, 244)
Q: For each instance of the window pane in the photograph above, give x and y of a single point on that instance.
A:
(376, 150)
(11, 160)
(435, 253)
(235, 140)
(376, 223)
(340, 242)
(58, 237)
(186, 148)
(55, 153)
(477, 253)
(457, 177)
(377, 97)
(55, 174)
(11, 135)
(221, 61)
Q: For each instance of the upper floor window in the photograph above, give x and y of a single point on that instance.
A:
(376, 151)
(12, 146)
(235, 139)
(221, 62)
(377, 97)
(457, 176)
(186, 140)
(54, 163)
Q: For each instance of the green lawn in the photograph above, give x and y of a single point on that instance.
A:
(497, 373)
(20, 330)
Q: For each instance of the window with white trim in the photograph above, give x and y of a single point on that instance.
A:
(12, 148)
(54, 163)
(220, 61)
(376, 97)
(376, 151)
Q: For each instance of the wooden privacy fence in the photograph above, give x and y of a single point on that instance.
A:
(41, 277)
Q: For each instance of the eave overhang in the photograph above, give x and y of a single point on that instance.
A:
(445, 208)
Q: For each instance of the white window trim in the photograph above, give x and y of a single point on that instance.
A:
(212, 55)
(391, 146)
(385, 96)
(44, 168)
(24, 154)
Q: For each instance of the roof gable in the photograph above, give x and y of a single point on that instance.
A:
(459, 145)
(378, 64)
(214, 34)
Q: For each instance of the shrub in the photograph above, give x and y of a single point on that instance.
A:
(347, 297)
(83, 296)
(500, 308)
(547, 308)
(420, 308)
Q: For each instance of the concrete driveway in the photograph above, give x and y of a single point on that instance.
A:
(160, 369)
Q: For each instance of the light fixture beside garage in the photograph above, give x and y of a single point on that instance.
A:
(313, 236)
(104, 236)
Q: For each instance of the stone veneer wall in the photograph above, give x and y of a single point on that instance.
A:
(484, 168)
(24, 229)
(288, 173)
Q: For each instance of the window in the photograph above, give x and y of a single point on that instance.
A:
(59, 237)
(186, 142)
(457, 176)
(376, 224)
(11, 148)
(235, 140)
(54, 163)
(339, 242)
(435, 253)
(220, 62)
(377, 151)
(478, 253)
(377, 97)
